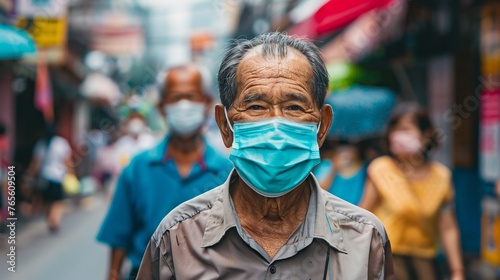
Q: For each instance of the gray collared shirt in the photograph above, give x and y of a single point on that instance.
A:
(203, 239)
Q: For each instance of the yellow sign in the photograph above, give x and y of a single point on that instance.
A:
(47, 32)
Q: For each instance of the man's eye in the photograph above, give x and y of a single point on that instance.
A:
(294, 108)
(256, 107)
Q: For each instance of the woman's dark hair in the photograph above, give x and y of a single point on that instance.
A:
(421, 119)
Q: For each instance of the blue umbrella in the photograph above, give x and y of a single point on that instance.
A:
(360, 111)
(14, 43)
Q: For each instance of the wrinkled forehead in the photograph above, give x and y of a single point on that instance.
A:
(182, 82)
(189, 75)
(291, 60)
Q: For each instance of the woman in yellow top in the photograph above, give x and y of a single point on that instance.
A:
(413, 197)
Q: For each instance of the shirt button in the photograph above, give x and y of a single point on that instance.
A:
(272, 269)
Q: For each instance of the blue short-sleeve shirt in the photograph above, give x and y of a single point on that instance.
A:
(148, 189)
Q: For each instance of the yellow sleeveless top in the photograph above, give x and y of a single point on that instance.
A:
(410, 210)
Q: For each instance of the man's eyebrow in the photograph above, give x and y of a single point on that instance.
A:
(254, 96)
(292, 96)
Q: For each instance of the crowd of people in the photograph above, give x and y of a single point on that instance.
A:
(180, 208)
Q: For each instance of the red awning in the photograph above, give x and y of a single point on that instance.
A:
(334, 15)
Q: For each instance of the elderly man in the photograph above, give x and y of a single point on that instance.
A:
(156, 181)
(270, 219)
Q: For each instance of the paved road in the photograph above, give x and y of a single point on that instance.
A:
(70, 254)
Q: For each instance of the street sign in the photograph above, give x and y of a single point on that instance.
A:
(47, 32)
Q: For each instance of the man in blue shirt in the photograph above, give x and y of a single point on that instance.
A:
(183, 166)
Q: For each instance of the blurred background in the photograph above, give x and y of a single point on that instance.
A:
(87, 66)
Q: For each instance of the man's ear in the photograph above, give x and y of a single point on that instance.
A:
(225, 130)
(326, 122)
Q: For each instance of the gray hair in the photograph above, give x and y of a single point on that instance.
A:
(274, 45)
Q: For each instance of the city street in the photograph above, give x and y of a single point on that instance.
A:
(72, 253)
(115, 113)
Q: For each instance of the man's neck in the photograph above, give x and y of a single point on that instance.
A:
(185, 145)
(185, 151)
(270, 221)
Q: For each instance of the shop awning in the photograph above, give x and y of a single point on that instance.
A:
(14, 43)
(334, 15)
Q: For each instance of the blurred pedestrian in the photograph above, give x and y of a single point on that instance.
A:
(113, 158)
(343, 172)
(270, 220)
(181, 167)
(50, 164)
(413, 196)
(107, 166)
(136, 138)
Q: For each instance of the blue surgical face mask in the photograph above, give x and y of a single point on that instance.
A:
(275, 155)
(185, 117)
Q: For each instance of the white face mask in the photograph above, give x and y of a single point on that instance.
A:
(404, 143)
(135, 126)
(184, 117)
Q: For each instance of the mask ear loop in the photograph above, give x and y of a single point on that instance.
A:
(227, 119)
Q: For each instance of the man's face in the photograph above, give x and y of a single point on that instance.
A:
(182, 84)
(269, 87)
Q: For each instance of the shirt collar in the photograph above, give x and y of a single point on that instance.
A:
(157, 153)
(200, 160)
(325, 226)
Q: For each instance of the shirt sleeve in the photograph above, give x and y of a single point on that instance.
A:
(388, 264)
(380, 264)
(157, 263)
(117, 229)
